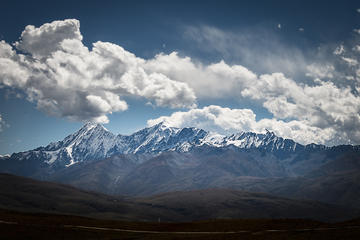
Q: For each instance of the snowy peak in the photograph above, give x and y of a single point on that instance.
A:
(160, 138)
(89, 142)
(85, 133)
(93, 141)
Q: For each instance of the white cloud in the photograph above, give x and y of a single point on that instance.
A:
(301, 29)
(213, 81)
(321, 110)
(321, 107)
(226, 121)
(356, 48)
(66, 79)
(320, 71)
(3, 124)
(350, 61)
(339, 50)
(42, 41)
(357, 30)
(212, 117)
(279, 25)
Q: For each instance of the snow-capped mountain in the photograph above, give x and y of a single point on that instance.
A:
(281, 148)
(93, 141)
(160, 138)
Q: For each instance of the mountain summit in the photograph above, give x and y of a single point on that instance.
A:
(90, 142)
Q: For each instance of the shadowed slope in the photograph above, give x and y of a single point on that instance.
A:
(100, 175)
(203, 167)
(19, 193)
(337, 188)
(347, 162)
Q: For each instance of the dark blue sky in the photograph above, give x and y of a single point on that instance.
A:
(218, 45)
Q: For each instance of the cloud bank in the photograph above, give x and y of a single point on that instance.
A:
(324, 110)
(321, 108)
(227, 121)
(66, 79)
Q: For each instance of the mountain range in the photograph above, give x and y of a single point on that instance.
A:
(161, 159)
(94, 142)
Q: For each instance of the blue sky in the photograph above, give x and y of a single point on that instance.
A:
(228, 66)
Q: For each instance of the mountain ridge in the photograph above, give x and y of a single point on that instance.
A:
(95, 142)
(157, 138)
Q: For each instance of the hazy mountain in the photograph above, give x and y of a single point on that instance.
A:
(202, 167)
(23, 194)
(337, 182)
(347, 162)
(314, 156)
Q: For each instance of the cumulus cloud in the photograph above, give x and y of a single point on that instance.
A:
(66, 79)
(212, 117)
(323, 111)
(326, 109)
(225, 120)
(42, 41)
(217, 80)
(324, 106)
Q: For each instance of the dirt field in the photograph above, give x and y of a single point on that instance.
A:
(20, 225)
